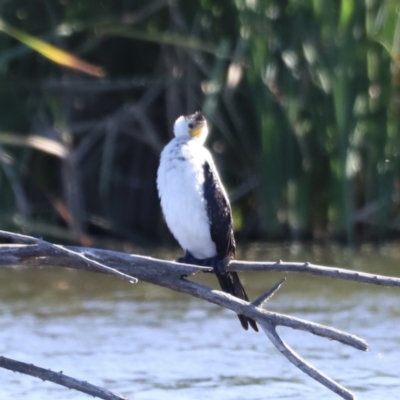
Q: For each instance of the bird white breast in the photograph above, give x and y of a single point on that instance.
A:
(180, 181)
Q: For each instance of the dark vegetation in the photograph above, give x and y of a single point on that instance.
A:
(302, 97)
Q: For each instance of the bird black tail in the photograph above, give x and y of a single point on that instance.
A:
(230, 283)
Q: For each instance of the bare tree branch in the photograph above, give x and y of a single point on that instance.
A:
(303, 365)
(62, 249)
(38, 253)
(59, 378)
(263, 298)
(318, 270)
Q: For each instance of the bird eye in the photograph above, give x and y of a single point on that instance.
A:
(190, 126)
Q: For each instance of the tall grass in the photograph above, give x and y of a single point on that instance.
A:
(302, 99)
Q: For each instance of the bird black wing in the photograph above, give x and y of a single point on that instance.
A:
(219, 213)
(221, 228)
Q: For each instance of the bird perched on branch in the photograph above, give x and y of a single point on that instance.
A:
(195, 205)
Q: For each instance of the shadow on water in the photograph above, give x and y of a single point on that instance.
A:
(150, 343)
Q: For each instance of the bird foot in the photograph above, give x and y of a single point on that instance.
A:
(214, 262)
(188, 258)
(217, 265)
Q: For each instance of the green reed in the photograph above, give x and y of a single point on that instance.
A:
(302, 99)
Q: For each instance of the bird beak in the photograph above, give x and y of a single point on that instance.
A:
(197, 130)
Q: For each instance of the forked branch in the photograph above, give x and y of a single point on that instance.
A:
(38, 253)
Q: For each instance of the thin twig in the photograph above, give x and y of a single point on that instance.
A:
(318, 270)
(100, 266)
(21, 238)
(62, 249)
(260, 300)
(59, 378)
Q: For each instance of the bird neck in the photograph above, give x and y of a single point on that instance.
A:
(193, 141)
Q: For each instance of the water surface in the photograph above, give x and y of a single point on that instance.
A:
(146, 343)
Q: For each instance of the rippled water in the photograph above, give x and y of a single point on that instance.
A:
(150, 343)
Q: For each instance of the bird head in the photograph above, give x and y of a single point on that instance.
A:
(192, 126)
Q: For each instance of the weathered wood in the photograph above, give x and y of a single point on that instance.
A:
(172, 275)
(264, 297)
(169, 275)
(59, 378)
(303, 365)
(316, 270)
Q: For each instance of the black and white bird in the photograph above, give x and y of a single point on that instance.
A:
(195, 205)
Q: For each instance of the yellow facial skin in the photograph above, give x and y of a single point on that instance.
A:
(197, 130)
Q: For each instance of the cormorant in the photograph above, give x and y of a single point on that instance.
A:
(196, 206)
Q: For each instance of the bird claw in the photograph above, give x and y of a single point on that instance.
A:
(218, 266)
(188, 259)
